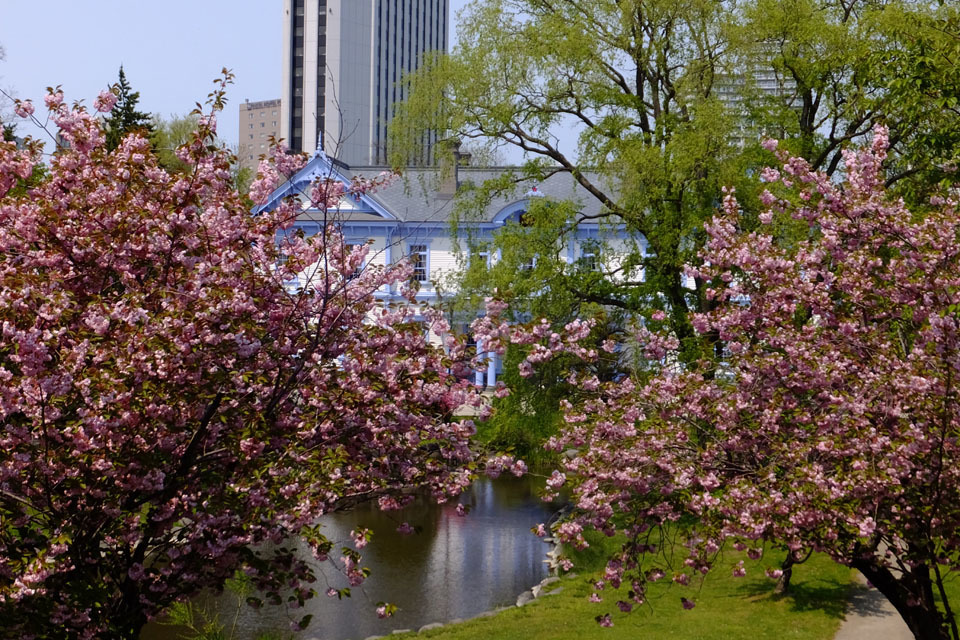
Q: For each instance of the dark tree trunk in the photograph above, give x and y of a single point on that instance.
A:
(912, 596)
(128, 627)
(783, 583)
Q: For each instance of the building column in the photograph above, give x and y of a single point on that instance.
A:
(388, 257)
(491, 369)
(478, 375)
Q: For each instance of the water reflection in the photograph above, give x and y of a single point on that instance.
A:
(454, 567)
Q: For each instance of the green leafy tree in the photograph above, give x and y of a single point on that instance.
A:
(670, 101)
(654, 144)
(923, 80)
(125, 118)
(169, 134)
(838, 67)
(654, 149)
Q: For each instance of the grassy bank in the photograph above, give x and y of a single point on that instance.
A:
(727, 608)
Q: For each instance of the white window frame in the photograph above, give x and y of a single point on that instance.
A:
(483, 252)
(590, 257)
(422, 249)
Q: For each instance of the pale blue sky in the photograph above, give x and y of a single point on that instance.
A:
(171, 50)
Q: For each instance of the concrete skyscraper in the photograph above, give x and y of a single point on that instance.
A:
(342, 62)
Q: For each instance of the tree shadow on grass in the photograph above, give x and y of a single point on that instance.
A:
(807, 595)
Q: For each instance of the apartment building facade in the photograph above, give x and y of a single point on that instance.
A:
(258, 121)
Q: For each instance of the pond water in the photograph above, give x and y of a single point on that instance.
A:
(453, 567)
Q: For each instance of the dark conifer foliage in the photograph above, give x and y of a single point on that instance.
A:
(125, 117)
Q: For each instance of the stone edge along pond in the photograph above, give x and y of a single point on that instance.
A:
(528, 596)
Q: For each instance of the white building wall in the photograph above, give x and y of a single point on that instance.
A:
(443, 260)
(612, 254)
(378, 254)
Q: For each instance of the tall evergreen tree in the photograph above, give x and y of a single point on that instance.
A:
(125, 117)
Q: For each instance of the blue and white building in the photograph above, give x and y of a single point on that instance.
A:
(411, 218)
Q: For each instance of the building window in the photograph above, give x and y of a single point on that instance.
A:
(251, 125)
(589, 260)
(471, 339)
(480, 258)
(263, 124)
(483, 257)
(418, 258)
(251, 136)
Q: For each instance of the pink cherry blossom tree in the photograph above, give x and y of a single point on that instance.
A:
(170, 410)
(830, 423)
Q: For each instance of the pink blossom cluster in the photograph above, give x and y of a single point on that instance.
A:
(105, 102)
(169, 411)
(24, 108)
(495, 465)
(829, 423)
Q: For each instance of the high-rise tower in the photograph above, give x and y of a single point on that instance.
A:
(343, 60)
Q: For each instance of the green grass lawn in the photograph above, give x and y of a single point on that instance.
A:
(727, 608)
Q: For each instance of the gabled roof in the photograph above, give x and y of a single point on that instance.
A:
(321, 167)
(418, 197)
